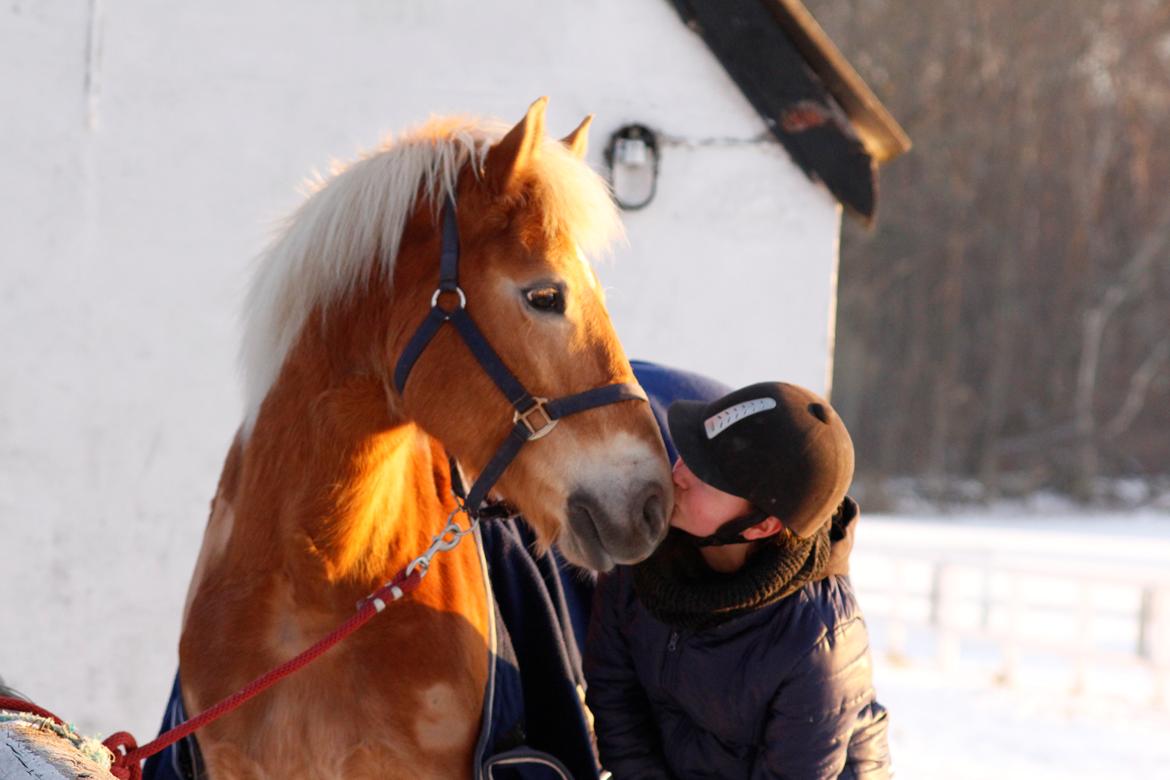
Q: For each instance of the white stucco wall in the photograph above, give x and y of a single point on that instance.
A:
(145, 149)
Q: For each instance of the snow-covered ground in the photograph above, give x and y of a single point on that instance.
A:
(1060, 692)
(965, 726)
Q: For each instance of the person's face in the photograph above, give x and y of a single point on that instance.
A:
(699, 508)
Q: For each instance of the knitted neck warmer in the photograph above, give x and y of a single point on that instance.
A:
(679, 589)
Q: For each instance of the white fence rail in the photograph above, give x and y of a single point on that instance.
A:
(1085, 606)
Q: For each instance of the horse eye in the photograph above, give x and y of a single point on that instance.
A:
(546, 298)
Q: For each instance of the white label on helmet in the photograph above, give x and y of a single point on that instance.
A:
(718, 423)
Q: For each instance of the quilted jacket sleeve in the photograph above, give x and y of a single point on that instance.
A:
(627, 737)
(824, 722)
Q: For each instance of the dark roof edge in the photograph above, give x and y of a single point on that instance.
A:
(881, 134)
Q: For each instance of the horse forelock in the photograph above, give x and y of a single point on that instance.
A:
(356, 217)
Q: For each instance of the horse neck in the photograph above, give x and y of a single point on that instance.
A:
(356, 490)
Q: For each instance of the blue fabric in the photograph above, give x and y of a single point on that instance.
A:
(785, 690)
(536, 701)
(180, 761)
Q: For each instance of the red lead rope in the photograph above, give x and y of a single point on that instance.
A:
(128, 757)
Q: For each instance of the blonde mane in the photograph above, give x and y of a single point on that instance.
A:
(356, 217)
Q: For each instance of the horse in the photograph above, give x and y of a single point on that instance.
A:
(339, 475)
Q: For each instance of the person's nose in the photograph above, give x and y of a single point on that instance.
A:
(680, 475)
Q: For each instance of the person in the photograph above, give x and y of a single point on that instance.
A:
(737, 650)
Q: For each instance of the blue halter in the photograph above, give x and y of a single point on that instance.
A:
(534, 417)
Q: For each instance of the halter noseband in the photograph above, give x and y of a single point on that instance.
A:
(533, 417)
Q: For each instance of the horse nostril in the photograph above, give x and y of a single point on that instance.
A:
(583, 516)
(654, 512)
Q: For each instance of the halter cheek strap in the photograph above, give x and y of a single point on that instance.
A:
(533, 417)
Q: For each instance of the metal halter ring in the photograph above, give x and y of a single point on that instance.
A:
(537, 408)
(458, 290)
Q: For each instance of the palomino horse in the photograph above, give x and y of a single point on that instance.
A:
(337, 479)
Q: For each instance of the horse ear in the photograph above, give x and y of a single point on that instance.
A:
(578, 140)
(508, 158)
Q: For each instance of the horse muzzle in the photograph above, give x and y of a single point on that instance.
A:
(616, 526)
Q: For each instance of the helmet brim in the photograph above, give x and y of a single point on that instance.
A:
(685, 420)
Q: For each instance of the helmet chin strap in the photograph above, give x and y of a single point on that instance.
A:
(730, 532)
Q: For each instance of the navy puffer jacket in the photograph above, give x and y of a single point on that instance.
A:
(784, 691)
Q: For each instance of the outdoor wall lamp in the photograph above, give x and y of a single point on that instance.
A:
(631, 156)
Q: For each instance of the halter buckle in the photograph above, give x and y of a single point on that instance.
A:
(536, 431)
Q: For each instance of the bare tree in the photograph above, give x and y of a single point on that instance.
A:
(1007, 319)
